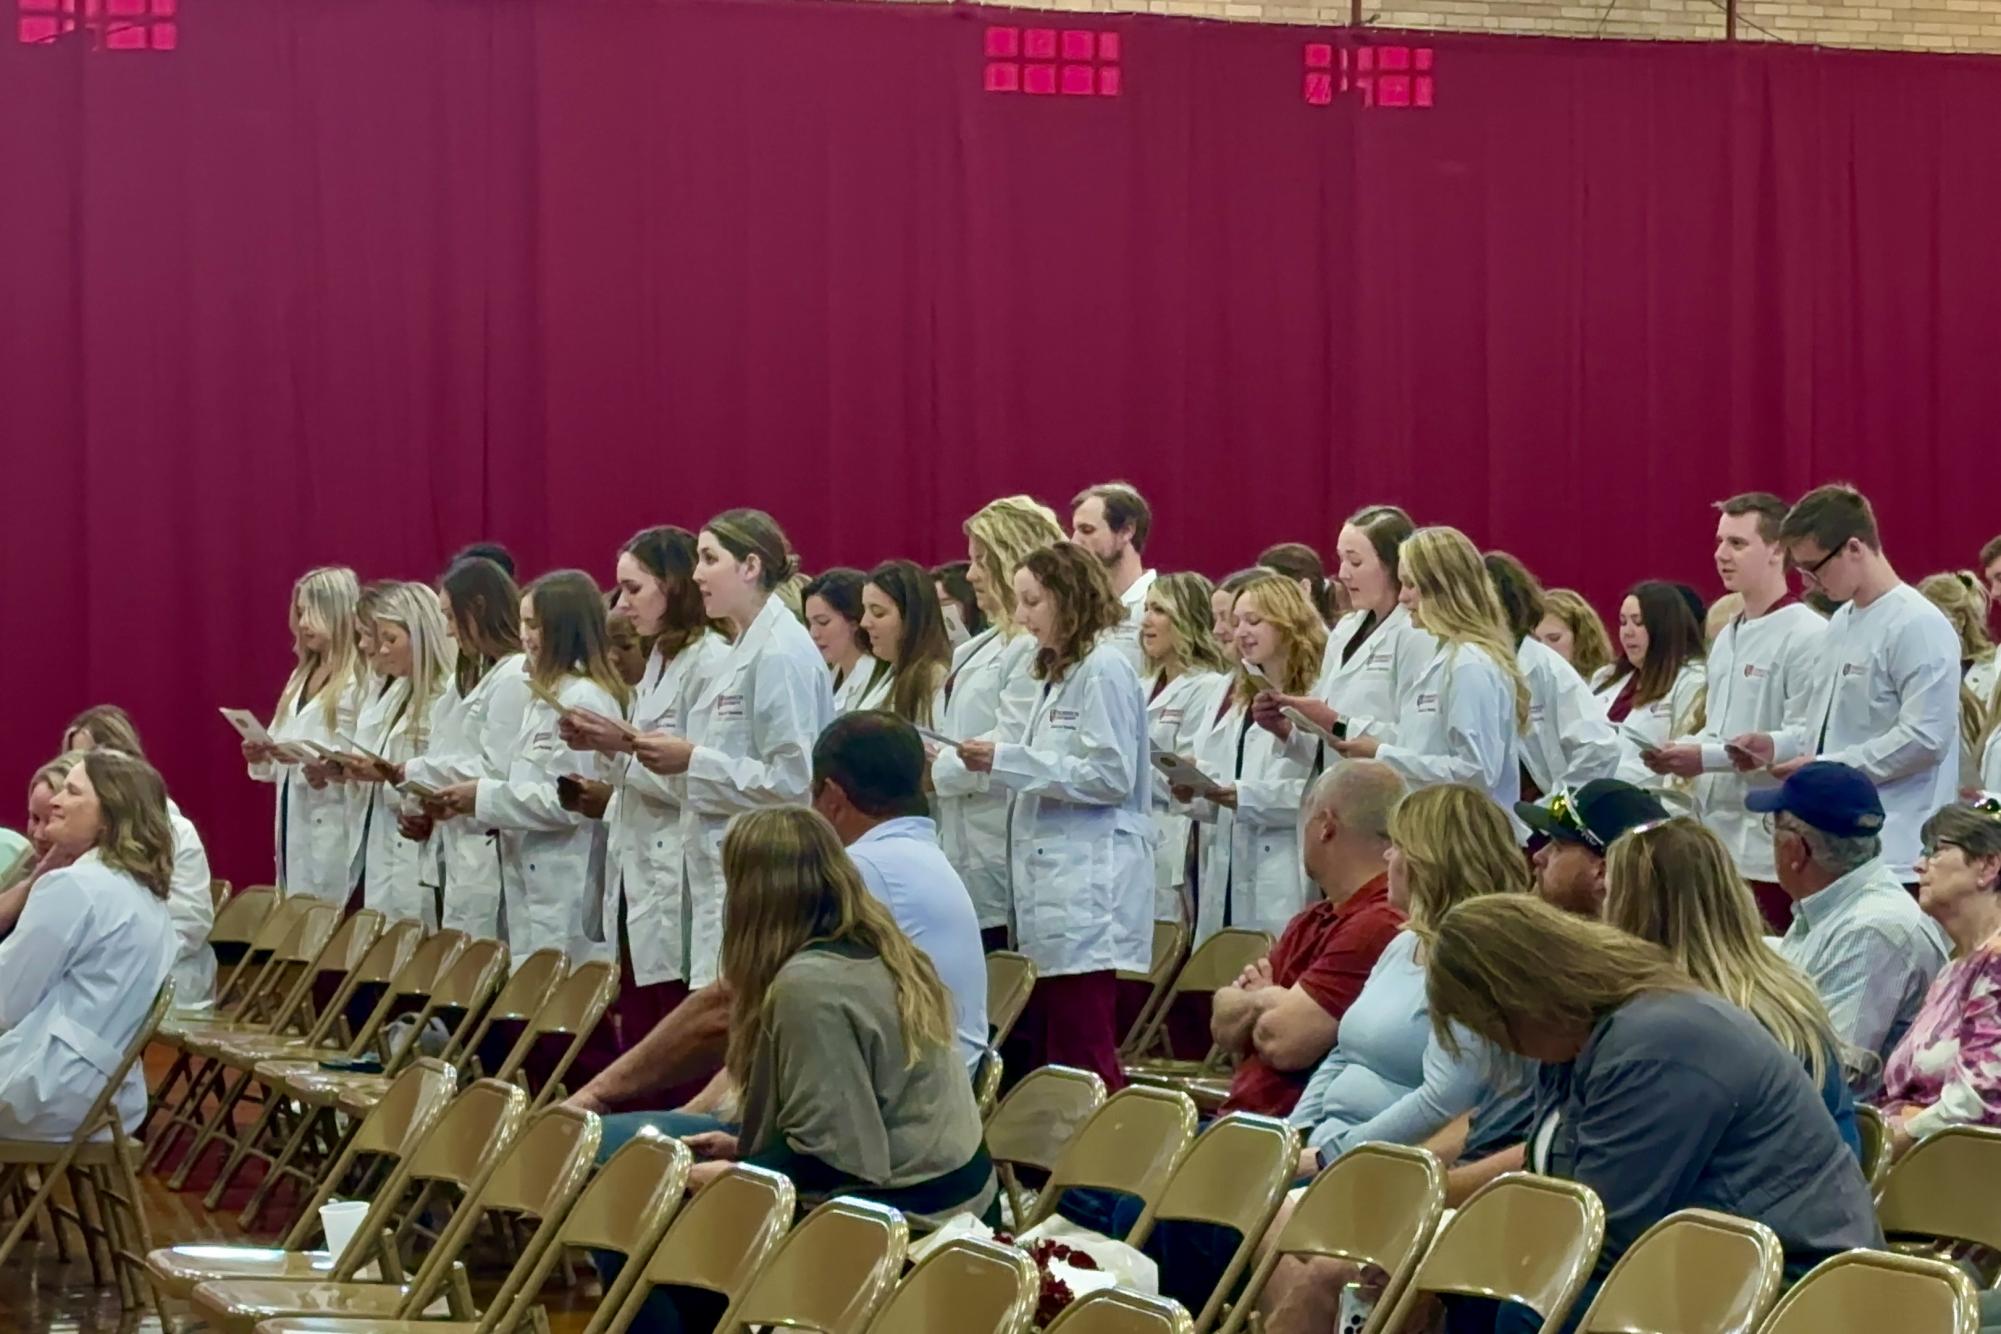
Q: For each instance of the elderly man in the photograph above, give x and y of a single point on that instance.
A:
(1856, 932)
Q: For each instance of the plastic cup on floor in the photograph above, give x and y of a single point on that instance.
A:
(341, 1219)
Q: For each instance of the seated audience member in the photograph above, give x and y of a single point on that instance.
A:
(1576, 829)
(1671, 1097)
(1947, 1069)
(1674, 885)
(1856, 934)
(1283, 1015)
(1388, 1076)
(91, 944)
(840, 1038)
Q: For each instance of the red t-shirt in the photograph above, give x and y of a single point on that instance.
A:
(1328, 952)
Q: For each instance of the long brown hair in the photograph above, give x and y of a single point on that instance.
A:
(1086, 606)
(574, 638)
(486, 616)
(924, 651)
(789, 883)
(747, 532)
(1183, 598)
(668, 554)
(1674, 638)
(136, 837)
(1590, 646)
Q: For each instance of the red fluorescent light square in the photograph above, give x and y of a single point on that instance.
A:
(1039, 43)
(1077, 44)
(1108, 46)
(1420, 91)
(166, 37)
(1319, 55)
(1319, 89)
(1393, 90)
(1365, 58)
(1394, 57)
(1039, 79)
(1003, 43)
(125, 38)
(37, 30)
(1003, 77)
(1108, 81)
(1422, 57)
(1077, 80)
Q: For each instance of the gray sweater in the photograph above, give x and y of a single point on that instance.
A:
(831, 1101)
(1681, 1100)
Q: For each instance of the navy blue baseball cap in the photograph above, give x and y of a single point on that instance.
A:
(1595, 815)
(1834, 798)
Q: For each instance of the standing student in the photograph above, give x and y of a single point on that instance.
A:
(1111, 521)
(1764, 668)
(1572, 628)
(1888, 698)
(1374, 651)
(487, 551)
(989, 695)
(1461, 720)
(1081, 842)
(551, 857)
(1187, 683)
(906, 632)
(963, 617)
(1302, 564)
(1568, 742)
(832, 603)
(1653, 693)
(322, 698)
(1958, 593)
(750, 725)
(1223, 611)
(473, 725)
(646, 905)
(1249, 871)
(413, 654)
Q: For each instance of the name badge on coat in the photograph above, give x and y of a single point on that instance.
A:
(730, 708)
(1427, 702)
(1064, 718)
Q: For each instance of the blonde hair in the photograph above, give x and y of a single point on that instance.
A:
(1674, 885)
(1721, 612)
(1503, 959)
(788, 884)
(1184, 600)
(417, 610)
(1457, 844)
(1591, 647)
(1007, 530)
(326, 599)
(136, 836)
(53, 774)
(106, 725)
(1959, 595)
(1302, 634)
(1458, 603)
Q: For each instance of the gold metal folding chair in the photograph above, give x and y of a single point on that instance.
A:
(987, 1082)
(1875, 1137)
(1119, 1311)
(1946, 1189)
(1876, 1292)
(720, 1238)
(968, 1286)
(1215, 964)
(1036, 1122)
(1010, 981)
(1170, 946)
(1694, 1272)
(1376, 1205)
(1520, 1238)
(829, 1274)
(1131, 1145)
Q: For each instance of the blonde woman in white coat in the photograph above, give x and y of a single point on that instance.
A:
(1461, 720)
(1081, 840)
(474, 723)
(1654, 691)
(551, 856)
(1186, 690)
(1569, 742)
(317, 817)
(1250, 873)
(1373, 652)
(989, 695)
(646, 901)
(88, 943)
(751, 724)
(413, 654)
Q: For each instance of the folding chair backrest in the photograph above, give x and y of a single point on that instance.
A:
(384, 962)
(968, 1286)
(1875, 1137)
(239, 917)
(1519, 1238)
(829, 1274)
(574, 1009)
(527, 989)
(463, 992)
(1170, 943)
(1215, 964)
(260, 978)
(719, 1239)
(103, 1108)
(1131, 1145)
(1039, 1116)
(539, 1176)
(1119, 1311)
(341, 959)
(1694, 1272)
(391, 1129)
(424, 971)
(1870, 1292)
(294, 968)
(1010, 980)
(1377, 1205)
(1234, 1176)
(987, 1082)
(1945, 1187)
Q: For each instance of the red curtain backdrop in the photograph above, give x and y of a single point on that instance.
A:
(299, 282)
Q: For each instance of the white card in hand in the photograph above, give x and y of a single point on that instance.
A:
(1181, 774)
(1306, 724)
(938, 738)
(246, 725)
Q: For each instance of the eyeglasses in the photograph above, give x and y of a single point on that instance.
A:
(1812, 571)
(1932, 849)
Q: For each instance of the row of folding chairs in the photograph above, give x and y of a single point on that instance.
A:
(315, 995)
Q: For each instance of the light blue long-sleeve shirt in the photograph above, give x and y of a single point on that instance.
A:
(1387, 1078)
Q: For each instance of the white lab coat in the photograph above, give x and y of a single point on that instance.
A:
(1457, 725)
(1178, 716)
(392, 867)
(316, 830)
(988, 697)
(1657, 724)
(1250, 873)
(470, 739)
(1568, 743)
(645, 852)
(1125, 635)
(1990, 763)
(1980, 680)
(867, 679)
(551, 860)
(77, 977)
(1367, 690)
(753, 724)
(1081, 842)
(191, 911)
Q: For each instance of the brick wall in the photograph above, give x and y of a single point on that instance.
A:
(1920, 25)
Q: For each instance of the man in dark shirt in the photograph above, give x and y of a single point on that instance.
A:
(1282, 1016)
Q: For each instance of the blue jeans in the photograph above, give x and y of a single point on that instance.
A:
(664, 1312)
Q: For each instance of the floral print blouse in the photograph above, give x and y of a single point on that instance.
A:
(1949, 1061)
